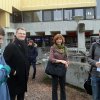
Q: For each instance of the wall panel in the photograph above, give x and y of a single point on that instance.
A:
(52, 4)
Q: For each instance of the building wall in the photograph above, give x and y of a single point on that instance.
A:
(61, 26)
(52, 4)
(4, 19)
(7, 5)
(16, 4)
(26, 5)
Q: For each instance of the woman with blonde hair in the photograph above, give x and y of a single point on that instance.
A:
(58, 54)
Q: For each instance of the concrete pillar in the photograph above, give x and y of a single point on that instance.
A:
(81, 41)
(4, 19)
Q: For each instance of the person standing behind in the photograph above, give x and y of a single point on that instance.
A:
(32, 54)
(4, 72)
(94, 61)
(58, 54)
(15, 55)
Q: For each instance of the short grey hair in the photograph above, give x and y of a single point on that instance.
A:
(20, 28)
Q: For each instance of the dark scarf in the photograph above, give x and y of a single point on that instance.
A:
(31, 47)
(21, 45)
(60, 48)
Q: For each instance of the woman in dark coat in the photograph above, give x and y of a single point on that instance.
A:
(15, 55)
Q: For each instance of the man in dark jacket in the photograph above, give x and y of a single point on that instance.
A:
(94, 61)
(32, 54)
(15, 55)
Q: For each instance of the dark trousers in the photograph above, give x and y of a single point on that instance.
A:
(19, 96)
(34, 68)
(61, 81)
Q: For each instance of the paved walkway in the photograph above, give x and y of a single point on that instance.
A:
(38, 89)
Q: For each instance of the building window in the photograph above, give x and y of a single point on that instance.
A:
(38, 41)
(11, 18)
(17, 17)
(58, 15)
(47, 15)
(37, 16)
(30, 16)
(27, 34)
(71, 39)
(10, 37)
(78, 12)
(53, 33)
(27, 16)
(67, 14)
(90, 13)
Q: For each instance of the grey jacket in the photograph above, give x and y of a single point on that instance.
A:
(93, 57)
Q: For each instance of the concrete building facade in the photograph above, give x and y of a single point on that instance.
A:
(77, 20)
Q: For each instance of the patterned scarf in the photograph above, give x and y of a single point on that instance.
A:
(60, 48)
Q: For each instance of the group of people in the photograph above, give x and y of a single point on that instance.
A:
(18, 56)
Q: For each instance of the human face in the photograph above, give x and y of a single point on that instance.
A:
(21, 34)
(30, 44)
(1, 39)
(59, 41)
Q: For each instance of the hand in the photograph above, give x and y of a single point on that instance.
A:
(14, 73)
(65, 62)
(68, 62)
(98, 64)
